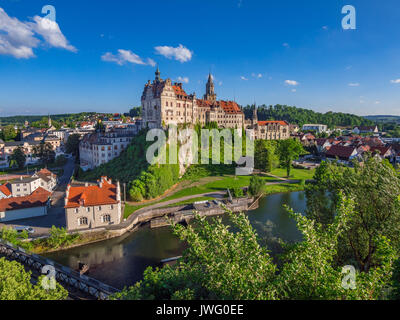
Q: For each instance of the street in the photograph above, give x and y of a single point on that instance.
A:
(55, 216)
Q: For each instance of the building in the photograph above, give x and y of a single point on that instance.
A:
(268, 130)
(342, 153)
(99, 148)
(366, 129)
(319, 128)
(5, 191)
(95, 206)
(27, 185)
(34, 205)
(165, 103)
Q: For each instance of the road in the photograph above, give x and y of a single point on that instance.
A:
(55, 215)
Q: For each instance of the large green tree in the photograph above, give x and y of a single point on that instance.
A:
(18, 158)
(375, 187)
(289, 150)
(45, 153)
(266, 157)
(72, 145)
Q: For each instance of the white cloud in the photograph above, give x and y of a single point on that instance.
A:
(294, 90)
(244, 78)
(179, 53)
(354, 84)
(220, 83)
(18, 39)
(285, 44)
(183, 79)
(396, 81)
(126, 56)
(291, 83)
(377, 102)
(50, 31)
(325, 27)
(257, 75)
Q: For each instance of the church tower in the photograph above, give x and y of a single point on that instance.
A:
(210, 90)
(255, 116)
(158, 75)
(49, 122)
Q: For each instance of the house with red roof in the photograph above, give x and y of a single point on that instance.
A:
(342, 153)
(93, 206)
(18, 208)
(5, 191)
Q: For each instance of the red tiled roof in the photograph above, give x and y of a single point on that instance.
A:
(342, 152)
(92, 195)
(38, 198)
(381, 150)
(179, 91)
(4, 189)
(230, 107)
(265, 123)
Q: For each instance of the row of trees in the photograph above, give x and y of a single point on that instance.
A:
(271, 154)
(303, 116)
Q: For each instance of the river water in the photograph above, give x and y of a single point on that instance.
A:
(120, 262)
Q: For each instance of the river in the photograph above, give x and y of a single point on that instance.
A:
(120, 262)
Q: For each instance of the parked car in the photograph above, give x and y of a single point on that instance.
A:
(30, 230)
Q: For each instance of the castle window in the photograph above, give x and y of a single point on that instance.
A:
(83, 221)
(107, 218)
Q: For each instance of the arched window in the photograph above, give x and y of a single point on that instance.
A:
(83, 221)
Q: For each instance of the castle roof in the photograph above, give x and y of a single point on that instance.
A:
(265, 123)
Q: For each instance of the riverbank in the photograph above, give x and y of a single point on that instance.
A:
(145, 216)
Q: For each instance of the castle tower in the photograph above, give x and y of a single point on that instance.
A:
(49, 122)
(210, 90)
(255, 116)
(158, 75)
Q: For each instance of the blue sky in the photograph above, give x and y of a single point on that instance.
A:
(288, 52)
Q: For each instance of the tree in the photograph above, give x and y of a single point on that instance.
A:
(375, 187)
(45, 153)
(256, 187)
(9, 133)
(18, 157)
(72, 146)
(289, 150)
(266, 158)
(226, 262)
(15, 284)
(60, 161)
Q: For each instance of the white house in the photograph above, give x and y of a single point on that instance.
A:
(34, 205)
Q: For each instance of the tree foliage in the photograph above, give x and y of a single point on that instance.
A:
(15, 284)
(375, 187)
(18, 158)
(303, 116)
(288, 151)
(227, 262)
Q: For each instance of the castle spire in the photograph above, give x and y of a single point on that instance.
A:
(158, 74)
(210, 89)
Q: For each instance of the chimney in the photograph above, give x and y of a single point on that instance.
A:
(86, 184)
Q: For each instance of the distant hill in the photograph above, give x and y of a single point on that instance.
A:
(20, 120)
(384, 118)
(302, 116)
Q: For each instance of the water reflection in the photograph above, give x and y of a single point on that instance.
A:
(120, 262)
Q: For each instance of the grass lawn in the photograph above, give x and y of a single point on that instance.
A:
(295, 174)
(281, 188)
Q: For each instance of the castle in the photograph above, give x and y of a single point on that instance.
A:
(165, 103)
